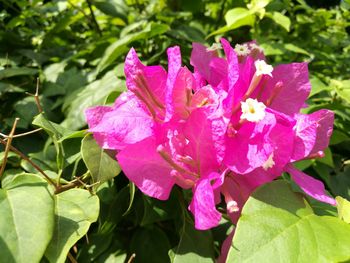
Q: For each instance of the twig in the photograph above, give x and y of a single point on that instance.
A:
(36, 96)
(70, 185)
(71, 258)
(24, 157)
(132, 257)
(8, 145)
(20, 134)
(94, 18)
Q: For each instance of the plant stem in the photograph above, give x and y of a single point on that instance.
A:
(8, 145)
(94, 18)
(24, 157)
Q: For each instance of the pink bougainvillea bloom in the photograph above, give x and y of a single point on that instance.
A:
(225, 129)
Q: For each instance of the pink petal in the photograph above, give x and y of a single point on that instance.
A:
(142, 164)
(126, 124)
(310, 185)
(183, 86)
(203, 205)
(312, 133)
(155, 76)
(250, 147)
(174, 65)
(200, 60)
(324, 120)
(295, 90)
(232, 61)
(94, 115)
(198, 132)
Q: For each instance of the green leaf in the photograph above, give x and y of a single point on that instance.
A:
(317, 86)
(343, 207)
(102, 167)
(157, 210)
(151, 244)
(194, 246)
(120, 46)
(328, 158)
(93, 94)
(296, 49)
(256, 5)
(280, 19)
(340, 184)
(235, 18)
(75, 210)
(13, 72)
(342, 88)
(278, 225)
(27, 218)
(338, 137)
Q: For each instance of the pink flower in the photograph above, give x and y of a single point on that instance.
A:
(229, 127)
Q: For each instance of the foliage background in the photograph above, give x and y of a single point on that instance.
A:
(77, 48)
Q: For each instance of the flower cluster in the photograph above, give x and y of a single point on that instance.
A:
(223, 130)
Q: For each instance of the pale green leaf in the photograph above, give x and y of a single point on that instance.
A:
(102, 167)
(278, 225)
(280, 19)
(27, 218)
(75, 210)
(343, 207)
(93, 94)
(235, 18)
(120, 46)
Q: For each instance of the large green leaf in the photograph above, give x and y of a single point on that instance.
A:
(278, 225)
(75, 210)
(13, 72)
(93, 94)
(194, 246)
(280, 19)
(102, 167)
(236, 18)
(27, 218)
(118, 48)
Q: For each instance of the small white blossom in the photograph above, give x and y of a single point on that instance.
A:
(214, 46)
(257, 47)
(269, 163)
(262, 68)
(252, 110)
(242, 50)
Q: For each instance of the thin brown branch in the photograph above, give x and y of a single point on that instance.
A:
(36, 96)
(8, 145)
(70, 185)
(20, 134)
(132, 257)
(71, 258)
(24, 157)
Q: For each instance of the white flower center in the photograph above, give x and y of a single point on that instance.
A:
(242, 50)
(232, 206)
(262, 68)
(214, 46)
(269, 163)
(252, 110)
